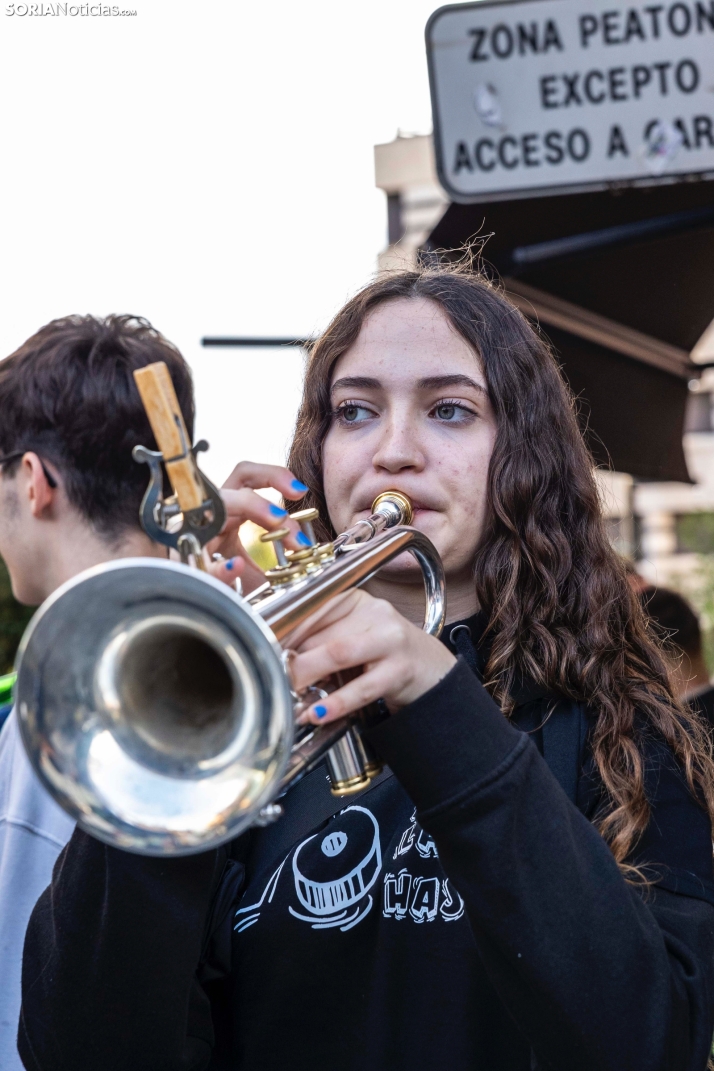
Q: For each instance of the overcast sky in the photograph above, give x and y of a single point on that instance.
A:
(208, 165)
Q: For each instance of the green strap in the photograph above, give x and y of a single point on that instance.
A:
(6, 685)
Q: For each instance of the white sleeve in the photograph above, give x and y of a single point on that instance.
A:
(33, 831)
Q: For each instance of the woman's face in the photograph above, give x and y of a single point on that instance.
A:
(411, 413)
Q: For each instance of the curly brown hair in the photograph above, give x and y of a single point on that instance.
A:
(559, 608)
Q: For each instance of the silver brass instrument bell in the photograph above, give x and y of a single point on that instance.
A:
(155, 702)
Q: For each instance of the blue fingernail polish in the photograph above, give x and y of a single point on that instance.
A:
(298, 486)
(277, 511)
(229, 564)
(321, 711)
(303, 540)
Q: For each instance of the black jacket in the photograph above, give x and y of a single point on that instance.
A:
(462, 914)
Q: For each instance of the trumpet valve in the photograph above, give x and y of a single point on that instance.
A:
(276, 538)
(347, 765)
(296, 564)
(305, 517)
(302, 562)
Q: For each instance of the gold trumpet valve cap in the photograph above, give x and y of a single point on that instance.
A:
(305, 517)
(277, 538)
(395, 506)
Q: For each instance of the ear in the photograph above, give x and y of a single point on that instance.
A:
(40, 495)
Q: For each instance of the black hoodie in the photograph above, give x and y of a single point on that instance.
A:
(464, 913)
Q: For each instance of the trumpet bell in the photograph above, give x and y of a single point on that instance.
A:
(154, 706)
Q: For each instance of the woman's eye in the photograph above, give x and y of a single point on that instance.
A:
(353, 414)
(452, 413)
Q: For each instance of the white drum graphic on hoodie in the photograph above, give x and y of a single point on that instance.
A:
(335, 869)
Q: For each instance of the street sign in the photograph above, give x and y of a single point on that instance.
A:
(546, 96)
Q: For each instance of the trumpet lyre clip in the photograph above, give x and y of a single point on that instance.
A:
(196, 504)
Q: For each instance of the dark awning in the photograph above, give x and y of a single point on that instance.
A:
(622, 282)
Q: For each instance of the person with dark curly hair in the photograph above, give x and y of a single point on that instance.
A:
(528, 885)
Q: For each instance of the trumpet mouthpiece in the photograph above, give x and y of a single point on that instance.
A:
(395, 506)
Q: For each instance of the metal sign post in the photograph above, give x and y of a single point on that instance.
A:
(535, 97)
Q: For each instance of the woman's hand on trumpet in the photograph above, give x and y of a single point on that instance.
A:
(400, 662)
(243, 504)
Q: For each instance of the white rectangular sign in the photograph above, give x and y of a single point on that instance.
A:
(534, 96)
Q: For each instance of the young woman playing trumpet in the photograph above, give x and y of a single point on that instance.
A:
(529, 885)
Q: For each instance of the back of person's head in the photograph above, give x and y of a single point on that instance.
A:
(674, 620)
(68, 395)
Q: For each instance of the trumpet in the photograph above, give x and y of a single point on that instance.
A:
(155, 703)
